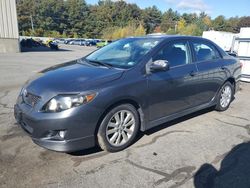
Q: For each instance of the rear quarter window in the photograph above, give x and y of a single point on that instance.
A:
(205, 51)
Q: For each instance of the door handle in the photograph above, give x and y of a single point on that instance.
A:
(223, 68)
(192, 73)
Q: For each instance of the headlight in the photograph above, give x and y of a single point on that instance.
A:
(64, 102)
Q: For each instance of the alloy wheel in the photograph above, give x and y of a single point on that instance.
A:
(120, 128)
(226, 96)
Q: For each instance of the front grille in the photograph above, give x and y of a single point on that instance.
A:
(31, 99)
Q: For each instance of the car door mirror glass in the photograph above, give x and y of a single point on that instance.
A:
(159, 65)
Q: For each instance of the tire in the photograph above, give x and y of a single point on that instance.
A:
(118, 128)
(224, 97)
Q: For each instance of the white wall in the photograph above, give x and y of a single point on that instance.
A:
(8, 19)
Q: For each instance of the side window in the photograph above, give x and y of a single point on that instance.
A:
(176, 53)
(205, 52)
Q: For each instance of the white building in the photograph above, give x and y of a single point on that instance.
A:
(242, 47)
(9, 37)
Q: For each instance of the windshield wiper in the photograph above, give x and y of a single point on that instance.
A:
(100, 63)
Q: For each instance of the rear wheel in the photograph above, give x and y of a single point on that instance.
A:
(118, 128)
(224, 97)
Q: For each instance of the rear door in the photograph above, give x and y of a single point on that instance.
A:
(210, 70)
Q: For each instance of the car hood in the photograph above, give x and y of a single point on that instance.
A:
(71, 77)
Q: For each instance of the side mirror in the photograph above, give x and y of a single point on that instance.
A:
(159, 65)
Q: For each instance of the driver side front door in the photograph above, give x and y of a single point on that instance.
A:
(172, 91)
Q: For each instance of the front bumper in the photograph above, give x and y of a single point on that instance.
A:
(43, 128)
(66, 145)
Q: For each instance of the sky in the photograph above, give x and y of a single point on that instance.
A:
(214, 8)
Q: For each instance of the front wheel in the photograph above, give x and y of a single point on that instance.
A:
(224, 97)
(118, 128)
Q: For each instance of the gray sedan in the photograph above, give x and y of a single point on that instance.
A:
(128, 86)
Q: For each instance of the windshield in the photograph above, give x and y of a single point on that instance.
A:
(124, 53)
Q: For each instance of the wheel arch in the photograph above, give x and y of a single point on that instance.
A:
(232, 81)
(132, 102)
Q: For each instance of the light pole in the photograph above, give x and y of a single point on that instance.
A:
(32, 25)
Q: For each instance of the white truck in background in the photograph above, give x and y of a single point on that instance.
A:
(222, 39)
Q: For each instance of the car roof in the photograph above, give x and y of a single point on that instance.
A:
(165, 36)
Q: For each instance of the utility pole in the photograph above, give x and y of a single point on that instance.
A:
(32, 25)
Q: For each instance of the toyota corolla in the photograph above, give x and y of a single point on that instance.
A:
(128, 86)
